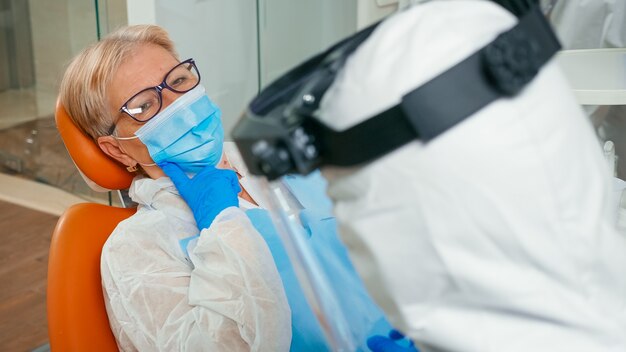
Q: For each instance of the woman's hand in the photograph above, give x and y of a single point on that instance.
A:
(207, 193)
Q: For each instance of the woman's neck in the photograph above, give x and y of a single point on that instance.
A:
(225, 164)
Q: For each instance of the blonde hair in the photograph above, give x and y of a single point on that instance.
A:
(83, 90)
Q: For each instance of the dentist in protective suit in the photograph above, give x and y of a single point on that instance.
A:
(495, 236)
(492, 233)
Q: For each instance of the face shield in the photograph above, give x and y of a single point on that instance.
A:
(281, 132)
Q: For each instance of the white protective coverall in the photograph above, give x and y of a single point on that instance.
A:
(497, 235)
(231, 299)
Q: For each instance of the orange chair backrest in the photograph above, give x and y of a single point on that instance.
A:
(77, 318)
(88, 157)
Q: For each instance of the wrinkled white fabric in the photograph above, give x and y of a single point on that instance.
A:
(495, 236)
(232, 299)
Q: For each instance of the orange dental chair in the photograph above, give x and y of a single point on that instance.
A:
(77, 319)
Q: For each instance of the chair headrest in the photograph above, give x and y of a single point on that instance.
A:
(99, 171)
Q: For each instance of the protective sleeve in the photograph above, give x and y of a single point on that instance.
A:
(232, 300)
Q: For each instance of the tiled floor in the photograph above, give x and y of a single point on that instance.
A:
(34, 150)
(34, 195)
(24, 248)
(38, 181)
(22, 105)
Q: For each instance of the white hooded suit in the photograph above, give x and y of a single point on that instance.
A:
(497, 235)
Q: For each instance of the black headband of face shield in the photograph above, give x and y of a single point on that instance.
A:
(280, 133)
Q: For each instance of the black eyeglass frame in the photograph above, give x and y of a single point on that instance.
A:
(159, 88)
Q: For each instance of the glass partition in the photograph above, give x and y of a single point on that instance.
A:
(37, 40)
(239, 45)
(291, 31)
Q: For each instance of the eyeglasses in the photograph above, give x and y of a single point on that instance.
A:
(146, 104)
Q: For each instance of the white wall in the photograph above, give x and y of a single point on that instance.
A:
(220, 35)
(370, 11)
(141, 11)
(223, 37)
(293, 30)
(59, 30)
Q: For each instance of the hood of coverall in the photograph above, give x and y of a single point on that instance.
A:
(498, 228)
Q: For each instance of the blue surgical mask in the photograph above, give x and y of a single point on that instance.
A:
(188, 132)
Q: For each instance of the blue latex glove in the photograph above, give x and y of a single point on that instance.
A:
(396, 342)
(207, 193)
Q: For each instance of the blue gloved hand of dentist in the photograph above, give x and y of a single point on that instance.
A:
(207, 193)
(395, 342)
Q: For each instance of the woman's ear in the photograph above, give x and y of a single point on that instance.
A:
(111, 147)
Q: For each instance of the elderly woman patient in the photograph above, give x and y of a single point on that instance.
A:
(166, 288)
